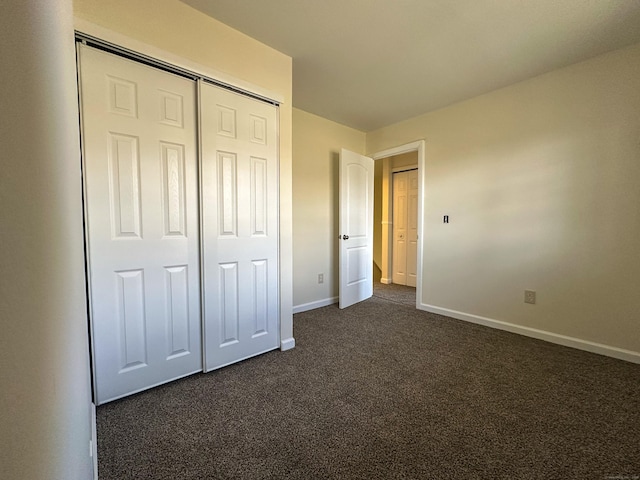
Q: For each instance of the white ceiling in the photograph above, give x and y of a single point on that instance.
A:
(371, 63)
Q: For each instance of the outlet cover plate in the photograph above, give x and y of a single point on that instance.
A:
(530, 296)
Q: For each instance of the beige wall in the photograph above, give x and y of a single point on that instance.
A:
(541, 183)
(409, 159)
(188, 34)
(45, 391)
(316, 148)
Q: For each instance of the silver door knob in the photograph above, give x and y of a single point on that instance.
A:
(345, 237)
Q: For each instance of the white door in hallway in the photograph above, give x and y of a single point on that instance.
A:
(240, 226)
(140, 168)
(356, 228)
(405, 227)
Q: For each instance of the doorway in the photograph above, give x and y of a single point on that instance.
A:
(389, 162)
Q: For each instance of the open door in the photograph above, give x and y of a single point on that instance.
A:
(356, 228)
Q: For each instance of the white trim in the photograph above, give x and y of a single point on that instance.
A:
(287, 344)
(85, 233)
(203, 330)
(420, 147)
(313, 305)
(88, 28)
(609, 351)
(406, 148)
(386, 281)
(94, 440)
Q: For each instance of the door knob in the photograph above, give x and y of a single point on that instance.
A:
(345, 237)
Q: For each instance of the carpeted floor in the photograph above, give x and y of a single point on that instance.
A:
(383, 391)
(395, 293)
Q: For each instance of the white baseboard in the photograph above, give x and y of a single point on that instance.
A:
(619, 353)
(386, 281)
(94, 441)
(287, 344)
(313, 305)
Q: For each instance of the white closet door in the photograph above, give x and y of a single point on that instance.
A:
(405, 227)
(240, 226)
(140, 168)
(400, 211)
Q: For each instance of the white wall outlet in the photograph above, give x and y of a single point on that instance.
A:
(321, 278)
(530, 296)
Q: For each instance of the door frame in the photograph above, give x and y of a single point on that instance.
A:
(416, 146)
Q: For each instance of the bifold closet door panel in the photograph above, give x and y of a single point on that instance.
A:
(405, 227)
(141, 191)
(240, 226)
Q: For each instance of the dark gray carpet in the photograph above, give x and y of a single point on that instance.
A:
(395, 293)
(382, 391)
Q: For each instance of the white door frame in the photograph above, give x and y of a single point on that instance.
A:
(417, 146)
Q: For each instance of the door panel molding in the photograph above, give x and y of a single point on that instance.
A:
(240, 234)
(142, 234)
(355, 249)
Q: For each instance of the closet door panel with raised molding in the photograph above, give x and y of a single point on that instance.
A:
(240, 226)
(141, 193)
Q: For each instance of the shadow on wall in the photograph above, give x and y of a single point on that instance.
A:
(377, 273)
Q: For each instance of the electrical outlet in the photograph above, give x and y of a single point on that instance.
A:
(530, 296)
(321, 278)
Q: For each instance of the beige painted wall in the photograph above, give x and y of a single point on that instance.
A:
(541, 182)
(180, 30)
(45, 391)
(408, 159)
(316, 148)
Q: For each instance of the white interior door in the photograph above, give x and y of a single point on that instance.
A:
(399, 222)
(405, 227)
(356, 228)
(139, 137)
(240, 226)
